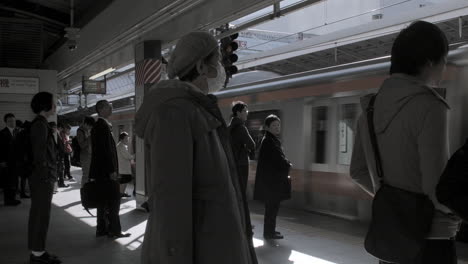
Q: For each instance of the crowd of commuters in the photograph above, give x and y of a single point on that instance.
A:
(197, 166)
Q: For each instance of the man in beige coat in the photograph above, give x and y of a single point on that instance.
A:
(197, 213)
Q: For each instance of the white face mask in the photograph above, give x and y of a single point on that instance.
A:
(217, 83)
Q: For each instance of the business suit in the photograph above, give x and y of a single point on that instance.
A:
(42, 182)
(8, 174)
(103, 169)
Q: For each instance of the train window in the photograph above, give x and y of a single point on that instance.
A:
(348, 114)
(254, 124)
(319, 128)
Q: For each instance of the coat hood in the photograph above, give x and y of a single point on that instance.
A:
(161, 93)
(393, 95)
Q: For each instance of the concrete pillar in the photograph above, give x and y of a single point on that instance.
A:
(147, 72)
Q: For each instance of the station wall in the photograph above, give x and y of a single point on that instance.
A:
(18, 102)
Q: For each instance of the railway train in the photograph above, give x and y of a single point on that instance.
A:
(319, 110)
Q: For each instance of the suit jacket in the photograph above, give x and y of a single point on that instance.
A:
(104, 152)
(241, 141)
(7, 148)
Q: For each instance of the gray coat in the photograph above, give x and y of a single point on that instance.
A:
(411, 127)
(197, 211)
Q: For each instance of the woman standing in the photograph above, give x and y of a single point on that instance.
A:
(272, 183)
(125, 159)
(43, 177)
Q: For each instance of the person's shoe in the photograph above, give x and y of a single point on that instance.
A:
(13, 203)
(102, 233)
(63, 185)
(45, 258)
(273, 236)
(71, 179)
(277, 233)
(110, 235)
(124, 195)
(24, 196)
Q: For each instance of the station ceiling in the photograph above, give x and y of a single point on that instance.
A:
(32, 30)
(359, 51)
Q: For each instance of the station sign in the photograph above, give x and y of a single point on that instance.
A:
(19, 85)
(94, 87)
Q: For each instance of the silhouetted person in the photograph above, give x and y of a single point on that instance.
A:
(8, 169)
(65, 135)
(104, 170)
(410, 123)
(272, 183)
(197, 211)
(22, 146)
(83, 134)
(43, 177)
(58, 130)
(241, 141)
(125, 159)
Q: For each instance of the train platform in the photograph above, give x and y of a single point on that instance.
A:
(309, 238)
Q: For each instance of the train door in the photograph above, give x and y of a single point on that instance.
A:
(322, 118)
(348, 111)
(332, 128)
(332, 133)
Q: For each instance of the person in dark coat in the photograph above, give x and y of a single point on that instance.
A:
(272, 183)
(104, 170)
(60, 154)
(21, 145)
(42, 178)
(241, 141)
(197, 211)
(8, 169)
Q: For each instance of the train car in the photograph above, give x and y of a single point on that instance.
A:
(319, 110)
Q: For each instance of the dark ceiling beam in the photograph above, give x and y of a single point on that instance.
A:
(36, 11)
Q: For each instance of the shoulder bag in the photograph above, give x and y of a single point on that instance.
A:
(401, 219)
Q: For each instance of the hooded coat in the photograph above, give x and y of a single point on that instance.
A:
(410, 122)
(197, 212)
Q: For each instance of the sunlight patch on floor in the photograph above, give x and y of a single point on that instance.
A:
(258, 242)
(301, 258)
(137, 232)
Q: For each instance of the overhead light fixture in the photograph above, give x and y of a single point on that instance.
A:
(97, 75)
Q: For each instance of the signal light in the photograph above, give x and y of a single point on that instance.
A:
(228, 46)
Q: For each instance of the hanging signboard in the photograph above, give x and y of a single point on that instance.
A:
(19, 85)
(94, 87)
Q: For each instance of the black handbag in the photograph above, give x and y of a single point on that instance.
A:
(401, 219)
(95, 193)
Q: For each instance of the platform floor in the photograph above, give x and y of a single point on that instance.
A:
(309, 238)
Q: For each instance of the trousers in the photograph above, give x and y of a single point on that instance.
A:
(108, 220)
(271, 211)
(243, 174)
(39, 214)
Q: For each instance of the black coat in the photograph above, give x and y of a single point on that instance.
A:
(44, 152)
(452, 189)
(241, 141)
(104, 160)
(272, 183)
